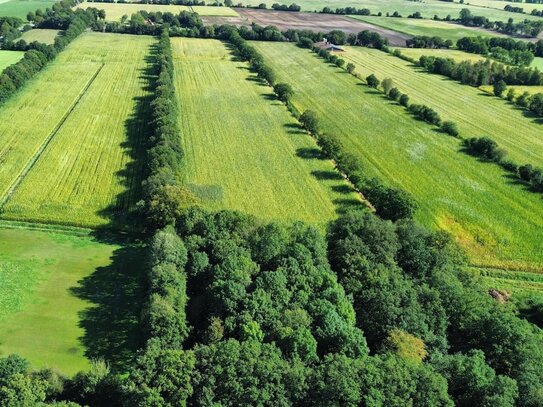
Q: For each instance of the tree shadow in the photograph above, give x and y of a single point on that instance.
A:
(295, 128)
(343, 205)
(310, 153)
(327, 175)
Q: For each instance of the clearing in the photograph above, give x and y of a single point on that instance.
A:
(8, 58)
(41, 35)
(81, 146)
(115, 11)
(243, 150)
(64, 299)
(455, 54)
(496, 221)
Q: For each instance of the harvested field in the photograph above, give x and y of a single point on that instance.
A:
(457, 55)
(41, 35)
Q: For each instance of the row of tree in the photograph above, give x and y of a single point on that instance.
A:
(424, 41)
(529, 28)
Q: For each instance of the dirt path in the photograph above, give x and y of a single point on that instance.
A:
(285, 20)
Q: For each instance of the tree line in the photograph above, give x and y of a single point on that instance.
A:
(529, 28)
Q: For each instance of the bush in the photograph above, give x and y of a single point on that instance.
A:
(404, 100)
(394, 94)
(450, 128)
(283, 91)
(485, 147)
(309, 121)
(350, 67)
(372, 81)
(387, 85)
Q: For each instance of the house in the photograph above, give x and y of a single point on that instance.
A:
(328, 46)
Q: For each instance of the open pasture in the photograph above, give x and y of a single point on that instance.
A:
(41, 35)
(476, 113)
(8, 58)
(86, 174)
(243, 150)
(459, 56)
(43, 307)
(115, 11)
(20, 8)
(413, 26)
(496, 221)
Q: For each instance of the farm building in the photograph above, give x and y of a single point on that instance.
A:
(328, 46)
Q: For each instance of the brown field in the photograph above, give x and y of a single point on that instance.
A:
(285, 20)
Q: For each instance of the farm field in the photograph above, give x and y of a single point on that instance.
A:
(457, 55)
(40, 35)
(475, 112)
(8, 58)
(500, 4)
(518, 89)
(243, 150)
(520, 285)
(498, 223)
(428, 8)
(44, 306)
(413, 26)
(20, 8)
(86, 174)
(115, 11)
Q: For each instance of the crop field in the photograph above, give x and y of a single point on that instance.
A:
(457, 55)
(476, 113)
(40, 35)
(497, 222)
(243, 150)
(428, 8)
(413, 26)
(500, 4)
(20, 8)
(518, 89)
(8, 58)
(86, 172)
(115, 11)
(43, 307)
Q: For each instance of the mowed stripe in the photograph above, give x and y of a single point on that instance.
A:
(84, 170)
(242, 147)
(497, 221)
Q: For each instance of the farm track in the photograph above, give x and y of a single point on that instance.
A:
(13, 187)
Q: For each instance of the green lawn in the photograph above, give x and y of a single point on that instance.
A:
(20, 8)
(87, 174)
(476, 113)
(412, 26)
(64, 299)
(8, 58)
(243, 150)
(41, 35)
(115, 11)
(497, 222)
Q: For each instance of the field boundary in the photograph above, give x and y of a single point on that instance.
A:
(15, 184)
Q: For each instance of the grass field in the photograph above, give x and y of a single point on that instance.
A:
(8, 58)
(40, 35)
(537, 63)
(500, 4)
(475, 112)
(243, 149)
(20, 8)
(457, 55)
(497, 222)
(115, 11)
(518, 89)
(412, 26)
(86, 174)
(47, 303)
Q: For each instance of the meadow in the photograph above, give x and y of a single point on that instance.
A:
(8, 58)
(413, 26)
(537, 63)
(496, 221)
(40, 313)
(476, 113)
(243, 150)
(115, 11)
(86, 174)
(518, 89)
(41, 35)
(20, 8)
(459, 56)
(500, 4)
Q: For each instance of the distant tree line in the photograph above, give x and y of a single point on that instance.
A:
(346, 11)
(529, 28)
(424, 41)
(10, 28)
(506, 50)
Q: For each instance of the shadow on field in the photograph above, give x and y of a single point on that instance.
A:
(310, 153)
(111, 322)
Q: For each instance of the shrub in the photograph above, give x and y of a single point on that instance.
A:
(485, 147)
(404, 100)
(387, 85)
(350, 67)
(372, 81)
(283, 91)
(394, 94)
(450, 128)
(309, 121)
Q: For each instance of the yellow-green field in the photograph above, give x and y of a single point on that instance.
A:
(20, 8)
(497, 222)
(457, 55)
(519, 90)
(476, 113)
(54, 294)
(413, 26)
(8, 58)
(500, 4)
(86, 174)
(243, 150)
(115, 11)
(40, 35)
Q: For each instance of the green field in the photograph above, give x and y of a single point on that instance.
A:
(40, 35)
(8, 58)
(476, 113)
(518, 89)
(115, 11)
(413, 26)
(537, 63)
(457, 55)
(54, 290)
(84, 141)
(243, 150)
(497, 222)
(500, 4)
(428, 8)
(20, 8)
